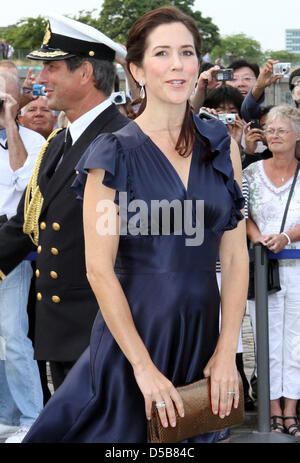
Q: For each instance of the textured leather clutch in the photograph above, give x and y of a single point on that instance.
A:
(198, 417)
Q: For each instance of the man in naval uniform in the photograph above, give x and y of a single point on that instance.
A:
(78, 74)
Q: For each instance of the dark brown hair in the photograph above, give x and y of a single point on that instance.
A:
(136, 47)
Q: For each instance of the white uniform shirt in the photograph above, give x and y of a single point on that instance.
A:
(13, 183)
(79, 125)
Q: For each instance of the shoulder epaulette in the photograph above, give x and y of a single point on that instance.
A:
(34, 198)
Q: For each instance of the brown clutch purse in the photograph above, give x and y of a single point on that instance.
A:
(198, 417)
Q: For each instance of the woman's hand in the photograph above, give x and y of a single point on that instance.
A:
(224, 379)
(155, 387)
(275, 243)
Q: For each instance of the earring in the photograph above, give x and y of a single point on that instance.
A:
(142, 91)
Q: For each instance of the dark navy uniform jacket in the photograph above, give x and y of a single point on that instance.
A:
(66, 306)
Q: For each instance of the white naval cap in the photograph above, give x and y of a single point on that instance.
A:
(65, 38)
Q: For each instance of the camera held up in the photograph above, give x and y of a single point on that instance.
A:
(227, 119)
(281, 69)
(223, 75)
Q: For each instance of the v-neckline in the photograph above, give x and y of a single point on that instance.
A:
(275, 188)
(166, 160)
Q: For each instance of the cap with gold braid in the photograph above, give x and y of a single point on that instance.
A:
(65, 38)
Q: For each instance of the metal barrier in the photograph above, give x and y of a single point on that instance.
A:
(264, 434)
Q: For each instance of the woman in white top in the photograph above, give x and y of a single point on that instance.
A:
(269, 184)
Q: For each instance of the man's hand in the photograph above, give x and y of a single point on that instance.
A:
(16, 148)
(207, 78)
(26, 92)
(30, 79)
(9, 110)
(206, 81)
(265, 79)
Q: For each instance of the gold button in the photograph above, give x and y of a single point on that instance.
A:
(54, 251)
(39, 249)
(56, 226)
(56, 299)
(43, 225)
(91, 53)
(37, 273)
(53, 274)
(39, 296)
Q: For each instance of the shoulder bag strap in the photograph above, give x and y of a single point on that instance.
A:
(289, 198)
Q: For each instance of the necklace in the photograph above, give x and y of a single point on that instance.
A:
(282, 178)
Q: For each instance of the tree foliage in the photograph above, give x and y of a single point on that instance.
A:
(243, 47)
(283, 56)
(27, 33)
(90, 17)
(114, 19)
(117, 16)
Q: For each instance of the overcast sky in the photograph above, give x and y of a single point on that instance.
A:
(264, 20)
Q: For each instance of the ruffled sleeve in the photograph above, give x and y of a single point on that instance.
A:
(216, 133)
(104, 153)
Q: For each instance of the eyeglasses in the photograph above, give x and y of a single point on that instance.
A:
(279, 132)
(246, 79)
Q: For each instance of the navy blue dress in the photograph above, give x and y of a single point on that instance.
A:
(171, 288)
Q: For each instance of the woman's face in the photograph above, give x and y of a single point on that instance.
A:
(280, 136)
(170, 66)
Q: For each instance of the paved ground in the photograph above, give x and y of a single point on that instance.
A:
(248, 431)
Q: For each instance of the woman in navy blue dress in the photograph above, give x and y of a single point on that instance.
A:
(160, 203)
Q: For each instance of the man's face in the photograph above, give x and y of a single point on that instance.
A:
(62, 85)
(244, 80)
(38, 117)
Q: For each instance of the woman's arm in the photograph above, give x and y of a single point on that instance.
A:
(274, 242)
(234, 285)
(101, 250)
(253, 232)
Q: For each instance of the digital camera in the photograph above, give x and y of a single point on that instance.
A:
(203, 114)
(281, 69)
(227, 119)
(118, 97)
(38, 90)
(224, 74)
